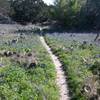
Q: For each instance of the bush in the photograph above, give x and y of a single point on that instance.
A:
(26, 10)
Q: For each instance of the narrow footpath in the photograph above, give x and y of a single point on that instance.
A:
(60, 78)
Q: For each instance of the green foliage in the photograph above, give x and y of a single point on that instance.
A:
(79, 14)
(67, 12)
(78, 59)
(26, 10)
(19, 83)
(90, 14)
(73, 14)
(96, 68)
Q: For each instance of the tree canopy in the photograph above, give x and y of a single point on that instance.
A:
(78, 13)
(26, 10)
(73, 14)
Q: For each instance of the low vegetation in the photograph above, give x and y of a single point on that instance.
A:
(81, 63)
(26, 70)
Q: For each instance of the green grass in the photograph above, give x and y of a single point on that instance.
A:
(72, 54)
(18, 83)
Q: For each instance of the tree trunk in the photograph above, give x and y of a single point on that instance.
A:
(97, 36)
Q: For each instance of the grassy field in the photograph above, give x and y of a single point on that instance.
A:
(80, 57)
(28, 73)
(21, 79)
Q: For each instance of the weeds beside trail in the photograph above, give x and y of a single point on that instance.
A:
(80, 57)
(17, 79)
(60, 77)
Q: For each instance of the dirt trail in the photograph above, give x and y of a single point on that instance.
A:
(61, 79)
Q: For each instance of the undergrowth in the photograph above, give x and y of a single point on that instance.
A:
(81, 61)
(19, 83)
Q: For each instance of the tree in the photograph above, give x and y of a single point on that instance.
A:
(26, 10)
(78, 14)
(43, 14)
(92, 16)
(67, 12)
